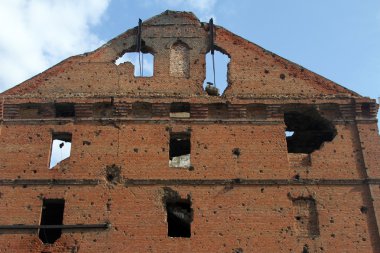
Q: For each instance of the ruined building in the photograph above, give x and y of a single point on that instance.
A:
(283, 160)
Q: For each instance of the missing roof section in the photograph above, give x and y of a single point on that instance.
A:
(307, 130)
(180, 110)
(179, 150)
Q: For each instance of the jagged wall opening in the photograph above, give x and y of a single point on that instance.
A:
(218, 86)
(307, 130)
(52, 214)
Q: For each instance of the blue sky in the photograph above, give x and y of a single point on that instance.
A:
(337, 39)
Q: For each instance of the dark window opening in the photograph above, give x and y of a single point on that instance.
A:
(180, 110)
(142, 109)
(52, 214)
(258, 111)
(142, 61)
(366, 109)
(222, 60)
(306, 217)
(64, 110)
(179, 150)
(306, 131)
(179, 218)
(60, 148)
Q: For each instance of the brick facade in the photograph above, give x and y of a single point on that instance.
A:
(233, 181)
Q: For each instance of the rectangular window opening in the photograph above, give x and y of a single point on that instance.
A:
(179, 150)
(52, 214)
(180, 110)
(60, 149)
(306, 217)
(179, 218)
(64, 110)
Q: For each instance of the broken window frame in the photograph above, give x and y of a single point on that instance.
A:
(51, 235)
(180, 159)
(65, 137)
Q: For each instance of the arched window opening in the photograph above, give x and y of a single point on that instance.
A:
(143, 61)
(180, 60)
(307, 130)
(220, 70)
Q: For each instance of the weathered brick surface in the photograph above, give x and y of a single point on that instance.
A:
(243, 184)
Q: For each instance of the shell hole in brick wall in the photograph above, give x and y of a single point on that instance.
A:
(52, 214)
(221, 73)
(60, 148)
(307, 130)
(143, 63)
(179, 150)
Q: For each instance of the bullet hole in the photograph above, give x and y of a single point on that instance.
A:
(88, 143)
(136, 150)
(363, 209)
(236, 152)
(237, 250)
(266, 71)
(282, 76)
(113, 174)
(297, 177)
(332, 235)
(305, 249)
(262, 190)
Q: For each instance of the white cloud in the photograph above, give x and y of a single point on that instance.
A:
(36, 34)
(202, 8)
